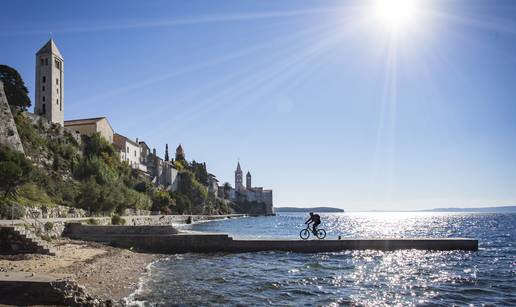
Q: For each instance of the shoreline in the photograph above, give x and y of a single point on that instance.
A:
(111, 275)
(107, 273)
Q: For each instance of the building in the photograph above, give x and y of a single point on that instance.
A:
(49, 91)
(89, 126)
(238, 178)
(130, 151)
(180, 153)
(162, 173)
(213, 184)
(249, 193)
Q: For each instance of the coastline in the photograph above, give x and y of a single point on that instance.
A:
(107, 273)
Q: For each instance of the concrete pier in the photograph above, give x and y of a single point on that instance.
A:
(162, 241)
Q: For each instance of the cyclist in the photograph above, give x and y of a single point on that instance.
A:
(315, 219)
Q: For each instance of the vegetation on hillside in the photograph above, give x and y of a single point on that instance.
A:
(86, 173)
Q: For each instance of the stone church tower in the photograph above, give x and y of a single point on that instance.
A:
(50, 83)
(238, 178)
(248, 184)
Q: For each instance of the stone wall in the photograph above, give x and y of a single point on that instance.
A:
(55, 212)
(40, 226)
(8, 132)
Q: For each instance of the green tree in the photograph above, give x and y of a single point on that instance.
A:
(16, 92)
(167, 158)
(15, 170)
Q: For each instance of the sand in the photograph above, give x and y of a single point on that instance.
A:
(106, 272)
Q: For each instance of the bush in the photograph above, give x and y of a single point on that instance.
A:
(161, 200)
(10, 210)
(92, 221)
(117, 220)
(31, 194)
(49, 226)
(15, 170)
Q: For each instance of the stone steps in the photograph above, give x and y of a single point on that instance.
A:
(41, 246)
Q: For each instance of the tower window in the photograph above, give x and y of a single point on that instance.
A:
(44, 79)
(43, 88)
(41, 61)
(46, 62)
(57, 81)
(44, 107)
(43, 98)
(57, 101)
(58, 64)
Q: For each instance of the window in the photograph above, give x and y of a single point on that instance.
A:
(41, 61)
(135, 153)
(44, 79)
(58, 64)
(43, 98)
(44, 108)
(57, 81)
(46, 62)
(43, 88)
(127, 148)
(57, 101)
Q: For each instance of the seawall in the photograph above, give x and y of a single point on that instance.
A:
(169, 243)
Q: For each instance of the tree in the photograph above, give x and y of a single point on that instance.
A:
(16, 92)
(167, 158)
(15, 170)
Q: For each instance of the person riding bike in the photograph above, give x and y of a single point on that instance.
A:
(315, 219)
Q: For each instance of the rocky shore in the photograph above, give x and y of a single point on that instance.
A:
(106, 275)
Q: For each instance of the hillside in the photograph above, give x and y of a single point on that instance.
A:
(88, 174)
(53, 167)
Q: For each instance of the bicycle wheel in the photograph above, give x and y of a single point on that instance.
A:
(304, 234)
(321, 233)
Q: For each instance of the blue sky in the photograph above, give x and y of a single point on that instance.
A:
(320, 100)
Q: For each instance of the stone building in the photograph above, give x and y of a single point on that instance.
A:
(162, 173)
(130, 151)
(213, 184)
(89, 126)
(180, 153)
(249, 193)
(238, 178)
(49, 92)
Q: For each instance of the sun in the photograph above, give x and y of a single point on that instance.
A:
(395, 15)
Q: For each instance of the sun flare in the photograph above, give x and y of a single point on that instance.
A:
(396, 15)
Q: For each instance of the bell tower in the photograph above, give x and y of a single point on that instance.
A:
(238, 178)
(49, 91)
(248, 184)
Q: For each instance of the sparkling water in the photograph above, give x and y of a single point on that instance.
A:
(403, 277)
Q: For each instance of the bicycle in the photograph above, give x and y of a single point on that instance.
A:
(305, 233)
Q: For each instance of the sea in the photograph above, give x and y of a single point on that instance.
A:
(486, 277)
